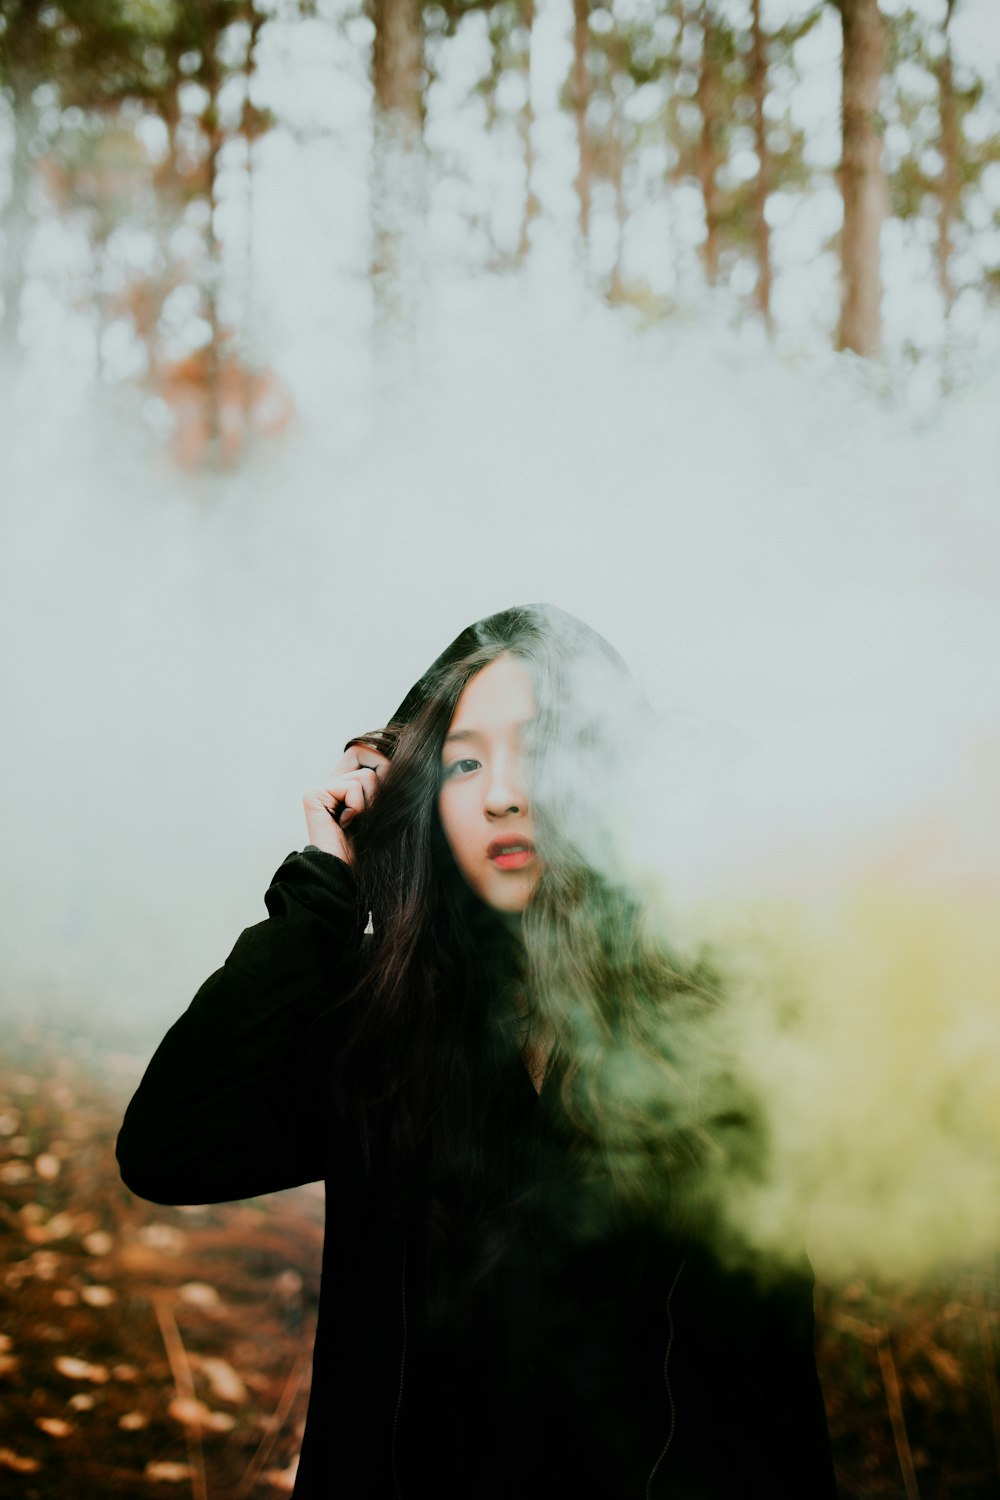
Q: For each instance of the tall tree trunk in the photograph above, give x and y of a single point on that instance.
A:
(397, 175)
(255, 22)
(762, 233)
(862, 181)
(99, 252)
(529, 210)
(581, 98)
(621, 214)
(166, 186)
(949, 195)
(213, 352)
(617, 163)
(16, 219)
(708, 142)
(398, 64)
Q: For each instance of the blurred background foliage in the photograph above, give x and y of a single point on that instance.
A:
(697, 163)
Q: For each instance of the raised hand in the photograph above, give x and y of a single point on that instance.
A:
(348, 794)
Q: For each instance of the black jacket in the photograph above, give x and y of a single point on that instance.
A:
(564, 1366)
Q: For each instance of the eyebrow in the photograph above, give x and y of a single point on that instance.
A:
(457, 735)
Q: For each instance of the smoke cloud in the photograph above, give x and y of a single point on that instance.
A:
(804, 583)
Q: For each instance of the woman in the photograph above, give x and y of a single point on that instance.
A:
(456, 1015)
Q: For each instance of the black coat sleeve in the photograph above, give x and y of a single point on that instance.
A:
(236, 1100)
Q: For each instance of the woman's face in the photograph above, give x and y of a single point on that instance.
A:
(483, 803)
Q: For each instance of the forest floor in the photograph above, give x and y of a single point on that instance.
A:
(150, 1351)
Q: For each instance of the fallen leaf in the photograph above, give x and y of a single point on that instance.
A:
(56, 1228)
(79, 1369)
(161, 1237)
(946, 1365)
(282, 1479)
(45, 1264)
(54, 1426)
(18, 1462)
(170, 1473)
(97, 1296)
(225, 1384)
(199, 1294)
(194, 1413)
(188, 1410)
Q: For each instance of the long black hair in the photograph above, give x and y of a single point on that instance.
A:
(448, 992)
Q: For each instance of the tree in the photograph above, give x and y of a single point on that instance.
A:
(939, 110)
(726, 130)
(34, 41)
(510, 25)
(398, 66)
(398, 83)
(715, 49)
(24, 53)
(862, 182)
(761, 187)
(88, 55)
(581, 99)
(530, 211)
(948, 197)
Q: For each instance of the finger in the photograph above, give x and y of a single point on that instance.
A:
(377, 762)
(365, 777)
(331, 798)
(361, 756)
(354, 802)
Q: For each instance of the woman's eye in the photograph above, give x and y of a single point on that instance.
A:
(461, 766)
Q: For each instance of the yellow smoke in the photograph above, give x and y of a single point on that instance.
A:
(869, 1027)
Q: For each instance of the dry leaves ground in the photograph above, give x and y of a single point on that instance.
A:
(151, 1351)
(144, 1350)
(910, 1378)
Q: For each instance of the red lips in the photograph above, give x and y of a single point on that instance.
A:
(506, 842)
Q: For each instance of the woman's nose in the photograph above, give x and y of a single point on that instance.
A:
(505, 791)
